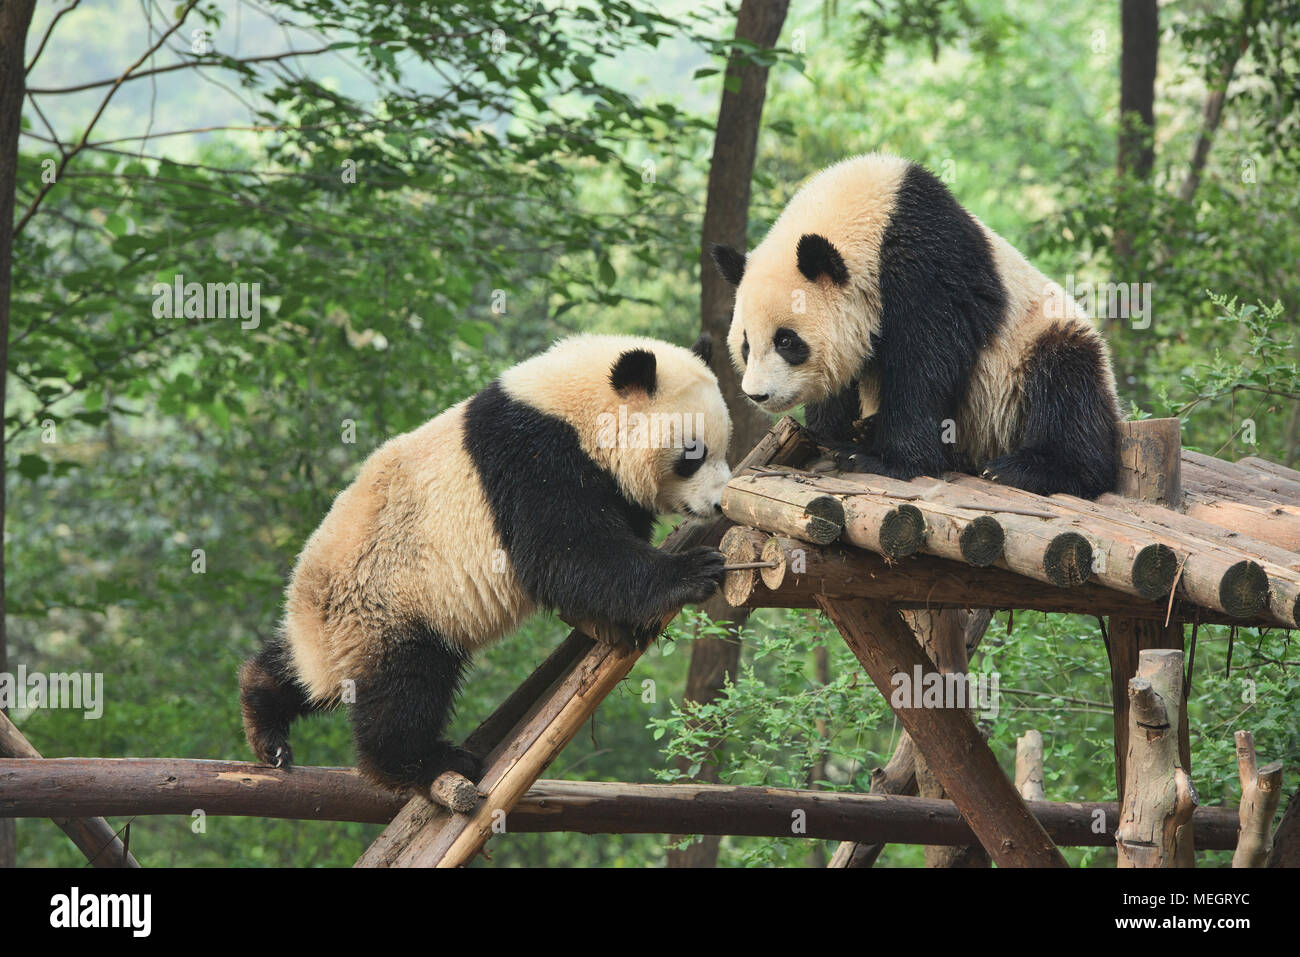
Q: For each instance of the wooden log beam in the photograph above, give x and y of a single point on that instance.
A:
(591, 807)
(897, 776)
(113, 787)
(1274, 482)
(163, 786)
(93, 836)
(1159, 799)
(429, 836)
(1262, 470)
(800, 512)
(803, 571)
(958, 754)
(1219, 574)
(895, 519)
(1261, 790)
(1058, 540)
(1276, 524)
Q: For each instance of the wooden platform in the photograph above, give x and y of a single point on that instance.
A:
(1228, 553)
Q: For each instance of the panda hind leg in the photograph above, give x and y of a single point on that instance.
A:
(270, 698)
(1071, 420)
(402, 710)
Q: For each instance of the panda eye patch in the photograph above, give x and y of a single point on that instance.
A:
(790, 347)
(744, 347)
(692, 458)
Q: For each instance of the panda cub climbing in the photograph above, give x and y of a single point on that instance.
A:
(539, 491)
(918, 339)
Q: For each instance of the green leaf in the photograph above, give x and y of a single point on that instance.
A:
(32, 466)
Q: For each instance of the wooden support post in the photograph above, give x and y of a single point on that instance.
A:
(898, 776)
(942, 635)
(1150, 461)
(1261, 790)
(1029, 766)
(93, 836)
(1150, 453)
(1159, 799)
(960, 757)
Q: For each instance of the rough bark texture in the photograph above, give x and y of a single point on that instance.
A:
(15, 19)
(942, 634)
(726, 219)
(1155, 828)
(1261, 789)
(1127, 640)
(1029, 766)
(898, 776)
(1151, 454)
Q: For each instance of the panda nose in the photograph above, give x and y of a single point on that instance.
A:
(757, 398)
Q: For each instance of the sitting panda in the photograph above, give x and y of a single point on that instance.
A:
(919, 340)
(539, 491)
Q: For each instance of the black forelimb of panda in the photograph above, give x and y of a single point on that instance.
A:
(574, 542)
(941, 303)
(1071, 424)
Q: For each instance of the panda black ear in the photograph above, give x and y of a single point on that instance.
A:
(634, 370)
(729, 261)
(818, 257)
(704, 347)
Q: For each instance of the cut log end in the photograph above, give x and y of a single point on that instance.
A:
(1243, 590)
(1068, 560)
(982, 541)
(1154, 571)
(902, 532)
(454, 791)
(737, 548)
(825, 519)
(774, 574)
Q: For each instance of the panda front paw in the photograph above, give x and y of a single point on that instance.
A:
(701, 571)
(851, 458)
(274, 749)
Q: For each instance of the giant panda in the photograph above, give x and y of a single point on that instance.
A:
(539, 491)
(918, 339)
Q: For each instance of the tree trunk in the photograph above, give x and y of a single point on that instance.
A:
(15, 20)
(1140, 26)
(726, 216)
